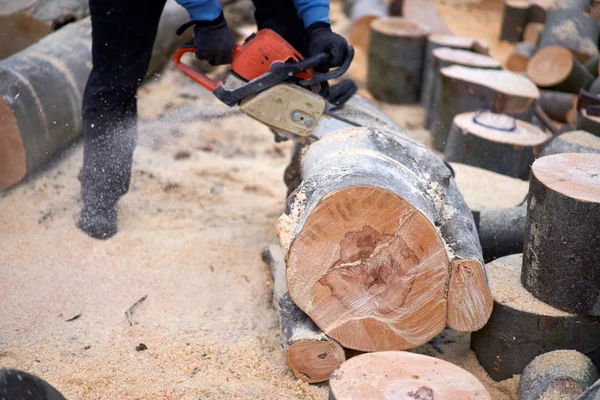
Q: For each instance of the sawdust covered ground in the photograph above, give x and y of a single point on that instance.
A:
(204, 200)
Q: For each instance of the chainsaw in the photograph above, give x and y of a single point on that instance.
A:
(280, 87)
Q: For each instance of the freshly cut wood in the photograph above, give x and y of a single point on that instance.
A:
(522, 327)
(445, 57)
(556, 68)
(34, 128)
(572, 29)
(559, 106)
(402, 375)
(383, 276)
(592, 65)
(311, 355)
(518, 59)
(588, 123)
(27, 21)
(495, 142)
(514, 20)
(592, 393)
(362, 13)
(573, 142)
(560, 252)
(470, 89)
(396, 52)
(501, 230)
(557, 375)
(532, 33)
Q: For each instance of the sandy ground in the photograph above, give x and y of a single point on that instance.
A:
(204, 200)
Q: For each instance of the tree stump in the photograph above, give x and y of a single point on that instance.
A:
(403, 375)
(396, 52)
(557, 375)
(471, 89)
(522, 327)
(588, 123)
(572, 29)
(311, 355)
(495, 142)
(445, 57)
(532, 33)
(501, 230)
(561, 265)
(557, 69)
(514, 20)
(382, 277)
(573, 142)
(559, 106)
(517, 61)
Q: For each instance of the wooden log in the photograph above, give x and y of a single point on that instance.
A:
(559, 106)
(532, 33)
(517, 61)
(495, 142)
(514, 20)
(592, 393)
(34, 127)
(396, 52)
(501, 230)
(537, 13)
(588, 123)
(572, 29)
(573, 142)
(25, 22)
(470, 89)
(445, 57)
(382, 266)
(557, 375)
(595, 87)
(311, 355)
(560, 252)
(522, 327)
(362, 13)
(592, 65)
(403, 375)
(556, 68)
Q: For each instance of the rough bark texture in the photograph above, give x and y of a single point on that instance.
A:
(522, 327)
(518, 59)
(560, 263)
(533, 31)
(588, 123)
(36, 129)
(572, 29)
(555, 68)
(470, 89)
(381, 173)
(557, 375)
(501, 230)
(559, 106)
(592, 393)
(572, 142)
(592, 65)
(311, 355)
(514, 20)
(396, 52)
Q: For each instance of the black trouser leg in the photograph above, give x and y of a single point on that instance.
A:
(123, 33)
(281, 16)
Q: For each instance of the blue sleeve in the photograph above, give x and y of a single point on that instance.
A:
(311, 11)
(202, 10)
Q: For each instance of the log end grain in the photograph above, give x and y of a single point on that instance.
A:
(550, 66)
(452, 41)
(466, 58)
(13, 161)
(314, 361)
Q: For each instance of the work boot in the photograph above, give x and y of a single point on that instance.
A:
(19, 385)
(99, 220)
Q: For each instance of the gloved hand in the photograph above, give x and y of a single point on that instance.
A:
(321, 39)
(213, 40)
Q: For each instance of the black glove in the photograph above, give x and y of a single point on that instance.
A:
(321, 39)
(213, 40)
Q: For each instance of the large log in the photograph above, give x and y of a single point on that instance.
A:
(396, 52)
(559, 106)
(471, 89)
(33, 82)
(555, 68)
(311, 355)
(517, 60)
(501, 230)
(495, 142)
(365, 260)
(514, 20)
(522, 327)
(561, 261)
(588, 123)
(573, 142)
(402, 375)
(557, 375)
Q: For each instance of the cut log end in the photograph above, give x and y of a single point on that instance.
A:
(396, 26)
(550, 66)
(363, 255)
(466, 58)
(402, 375)
(314, 361)
(504, 82)
(13, 162)
(455, 42)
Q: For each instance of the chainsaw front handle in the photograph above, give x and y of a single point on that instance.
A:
(193, 73)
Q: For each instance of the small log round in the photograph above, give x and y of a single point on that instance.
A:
(560, 263)
(559, 106)
(592, 65)
(514, 20)
(402, 375)
(557, 375)
(396, 51)
(522, 327)
(533, 31)
(501, 230)
(517, 61)
(572, 29)
(573, 142)
(470, 89)
(556, 68)
(588, 123)
(495, 142)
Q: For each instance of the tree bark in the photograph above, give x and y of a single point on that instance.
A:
(382, 266)
(560, 263)
(514, 20)
(559, 106)
(501, 230)
(532, 33)
(518, 59)
(588, 123)
(311, 355)
(595, 87)
(592, 65)
(403, 375)
(35, 128)
(559, 374)
(522, 327)
(555, 68)
(572, 142)
(471, 89)
(592, 393)
(396, 52)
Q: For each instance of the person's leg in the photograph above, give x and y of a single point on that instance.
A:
(123, 33)
(19, 385)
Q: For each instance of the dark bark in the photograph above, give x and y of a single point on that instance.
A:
(592, 65)
(514, 20)
(518, 59)
(501, 230)
(572, 29)
(592, 393)
(572, 142)
(559, 106)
